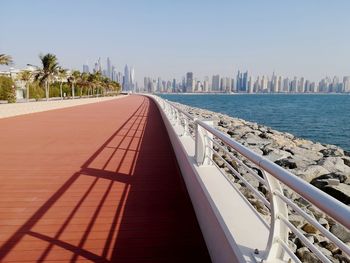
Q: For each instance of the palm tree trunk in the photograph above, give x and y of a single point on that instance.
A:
(47, 90)
(27, 86)
(61, 92)
(73, 90)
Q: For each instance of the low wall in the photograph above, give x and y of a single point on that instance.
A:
(212, 198)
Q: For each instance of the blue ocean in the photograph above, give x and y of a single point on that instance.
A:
(320, 118)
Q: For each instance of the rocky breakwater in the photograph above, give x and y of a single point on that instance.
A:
(327, 167)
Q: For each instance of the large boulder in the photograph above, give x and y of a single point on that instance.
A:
(341, 232)
(238, 131)
(273, 154)
(334, 165)
(287, 163)
(332, 151)
(340, 192)
(304, 154)
(312, 172)
(255, 140)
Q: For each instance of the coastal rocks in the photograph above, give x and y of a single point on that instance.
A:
(334, 165)
(274, 154)
(341, 232)
(340, 192)
(288, 163)
(327, 167)
(305, 255)
(332, 152)
(304, 153)
(312, 172)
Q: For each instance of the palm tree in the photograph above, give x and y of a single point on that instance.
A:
(48, 72)
(84, 82)
(5, 59)
(73, 79)
(62, 75)
(26, 76)
(95, 80)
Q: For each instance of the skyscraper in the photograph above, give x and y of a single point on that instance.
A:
(99, 65)
(109, 68)
(215, 86)
(346, 84)
(189, 82)
(132, 79)
(244, 87)
(86, 68)
(126, 81)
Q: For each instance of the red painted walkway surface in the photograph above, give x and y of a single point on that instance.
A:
(97, 183)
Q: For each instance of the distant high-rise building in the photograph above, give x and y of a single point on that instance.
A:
(286, 85)
(126, 79)
(301, 85)
(86, 69)
(264, 84)
(215, 83)
(346, 84)
(96, 69)
(244, 87)
(294, 85)
(189, 82)
(99, 65)
(250, 85)
(174, 85)
(206, 86)
(109, 68)
(132, 79)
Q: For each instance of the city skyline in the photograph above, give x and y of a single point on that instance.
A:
(166, 38)
(245, 83)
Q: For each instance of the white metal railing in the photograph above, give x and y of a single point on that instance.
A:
(209, 140)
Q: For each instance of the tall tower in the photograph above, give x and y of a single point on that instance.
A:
(132, 78)
(126, 82)
(109, 68)
(189, 82)
(99, 65)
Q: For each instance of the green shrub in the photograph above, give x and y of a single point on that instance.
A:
(36, 91)
(7, 89)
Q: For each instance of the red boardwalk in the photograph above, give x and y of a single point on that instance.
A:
(97, 183)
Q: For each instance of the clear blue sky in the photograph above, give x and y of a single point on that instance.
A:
(167, 38)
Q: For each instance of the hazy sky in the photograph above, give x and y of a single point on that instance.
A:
(167, 38)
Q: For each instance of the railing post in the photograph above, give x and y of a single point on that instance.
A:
(278, 230)
(203, 144)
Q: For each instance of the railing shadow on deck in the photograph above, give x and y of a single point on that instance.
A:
(138, 228)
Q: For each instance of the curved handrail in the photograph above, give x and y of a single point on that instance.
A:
(273, 175)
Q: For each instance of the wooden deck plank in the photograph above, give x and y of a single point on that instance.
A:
(99, 183)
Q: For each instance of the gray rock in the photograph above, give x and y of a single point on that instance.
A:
(312, 146)
(342, 258)
(340, 192)
(331, 247)
(275, 154)
(292, 246)
(341, 232)
(224, 123)
(253, 139)
(334, 165)
(296, 220)
(324, 222)
(288, 163)
(312, 172)
(238, 131)
(332, 152)
(304, 153)
(346, 160)
(305, 255)
(318, 214)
